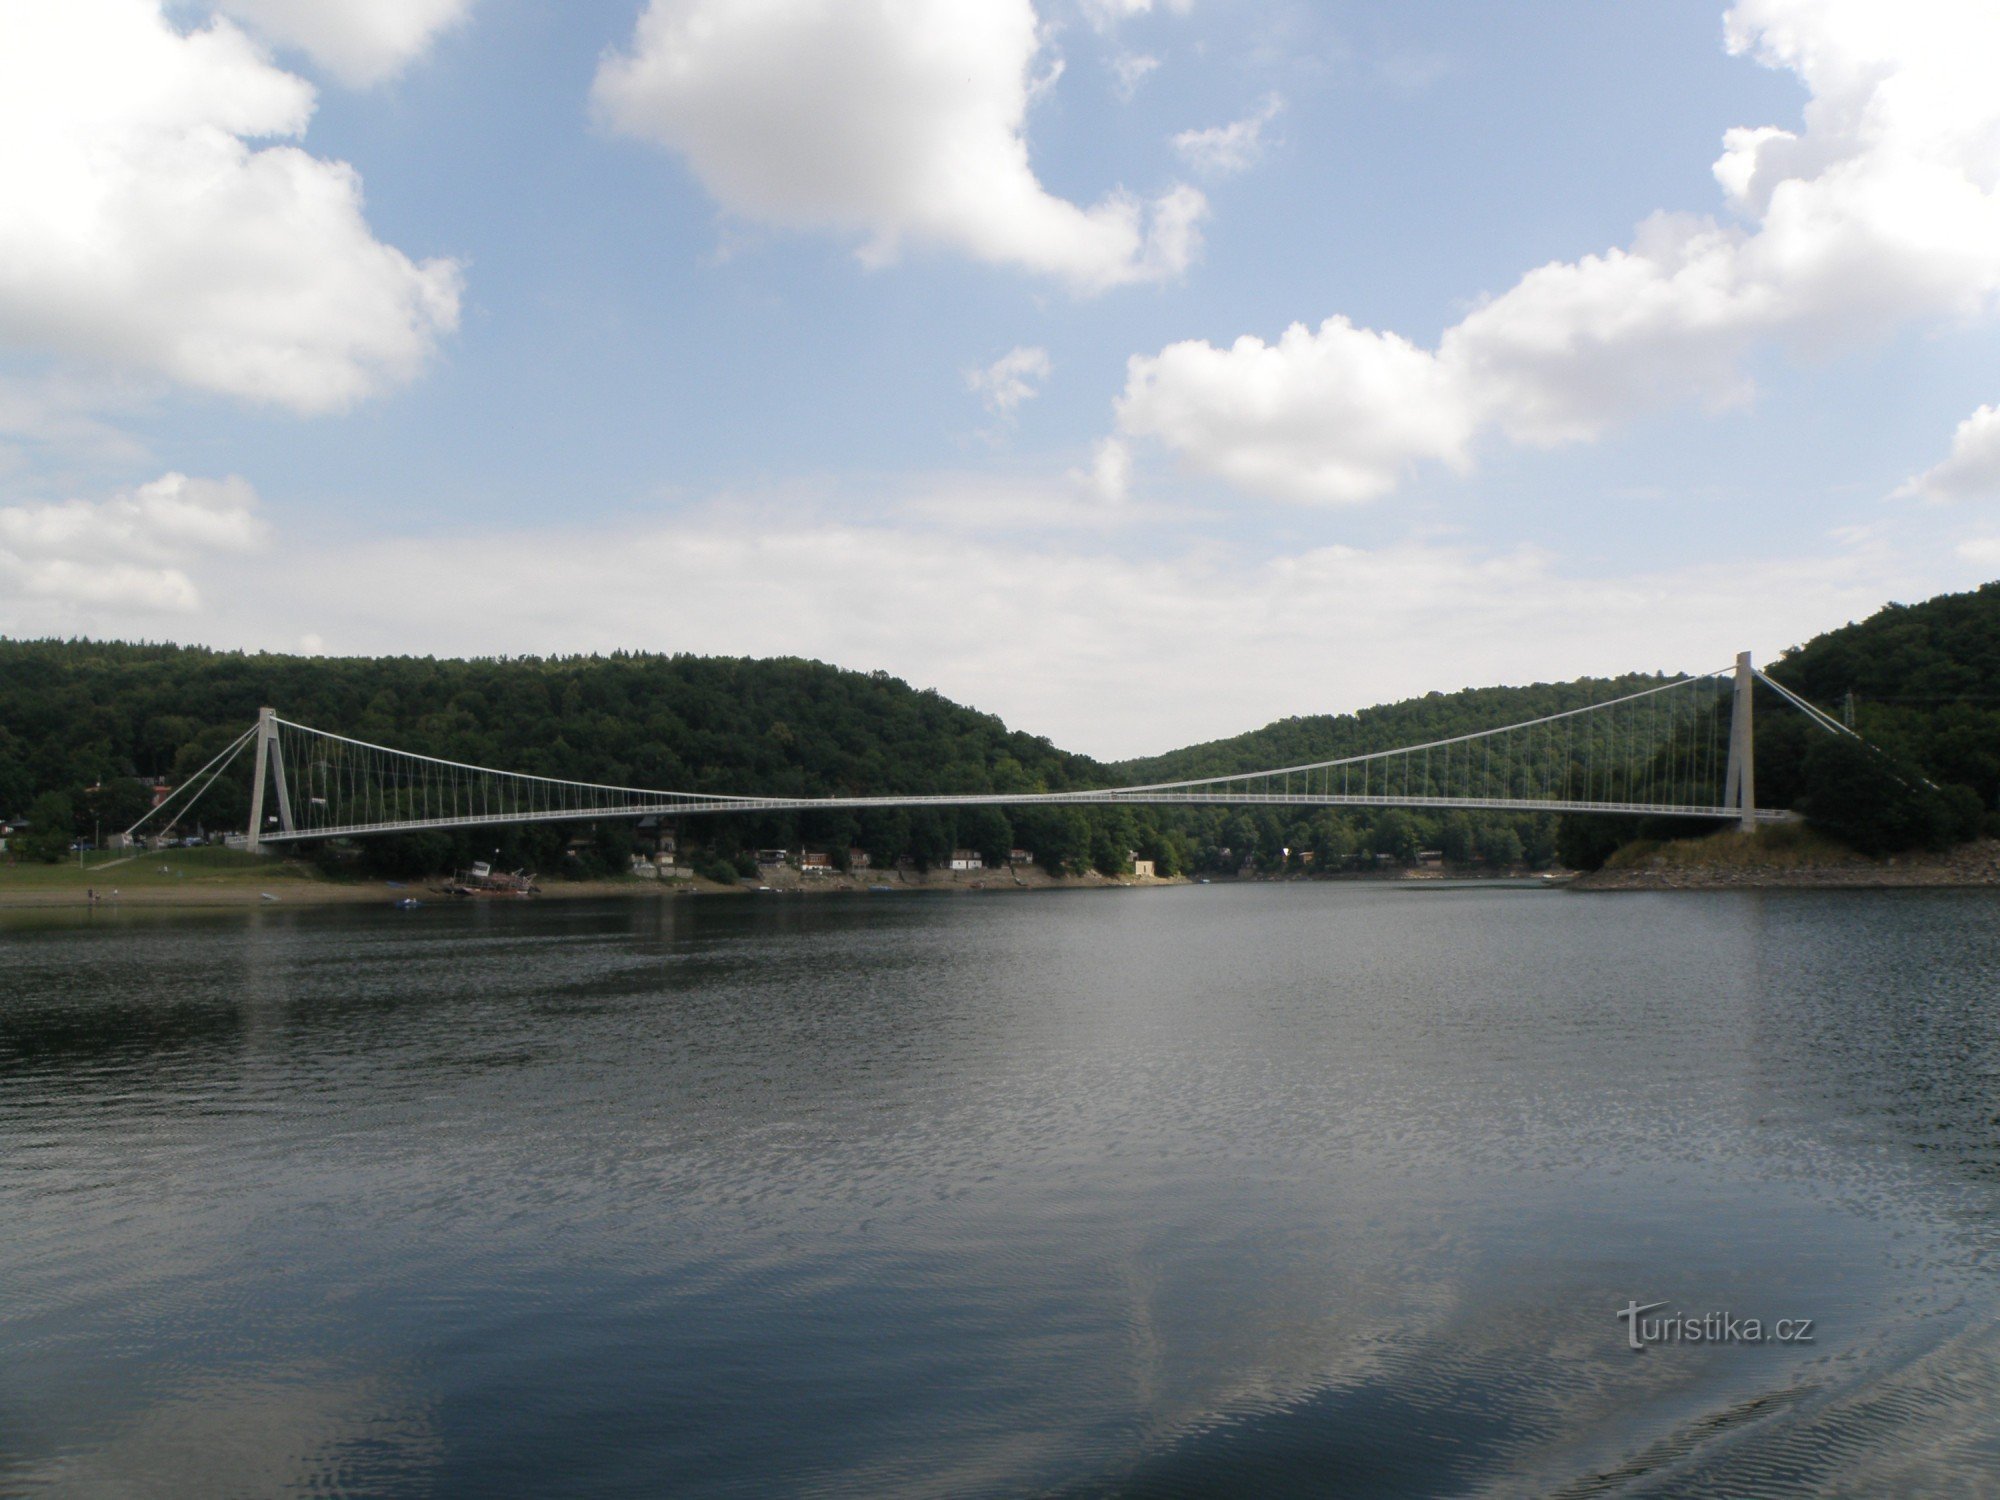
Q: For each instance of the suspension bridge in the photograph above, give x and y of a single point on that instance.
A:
(1684, 748)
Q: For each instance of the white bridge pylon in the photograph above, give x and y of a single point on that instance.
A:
(1680, 749)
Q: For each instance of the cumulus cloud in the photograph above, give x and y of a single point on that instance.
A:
(899, 121)
(130, 550)
(1223, 150)
(1331, 415)
(144, 232)
(1010, 380)
(1884, 209)
(1971, 471)
(359, 41)
(1128, 71)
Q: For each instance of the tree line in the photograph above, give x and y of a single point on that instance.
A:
(86, 729)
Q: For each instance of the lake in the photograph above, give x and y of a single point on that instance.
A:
(1262, 1190)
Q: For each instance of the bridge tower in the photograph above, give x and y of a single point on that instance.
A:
(1740, 782)
(270, 766)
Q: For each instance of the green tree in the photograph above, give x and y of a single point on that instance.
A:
(1859, 796)
(987, 830)
(885, 835)
(1501, 845)
(119, 803)
(1394, 834)
(1584, 841)
(51, 828)
(1062, 839)
(1333, 841)
(1112, 836)
(1459, 842)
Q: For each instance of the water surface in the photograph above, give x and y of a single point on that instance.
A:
(1325, 1189)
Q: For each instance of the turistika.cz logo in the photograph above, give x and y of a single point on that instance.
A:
(1710, 1328)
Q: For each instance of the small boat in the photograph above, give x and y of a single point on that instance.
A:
(484, 881)
(406, 903)
(266, 896)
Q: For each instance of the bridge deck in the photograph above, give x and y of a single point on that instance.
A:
(1119, 798)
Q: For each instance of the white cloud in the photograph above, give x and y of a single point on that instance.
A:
(1223, 150)
(1983, 551)
(1106, 14)
(1332, 415)
(1093, 639)
(1110, 475)
(144, 233)
(1971, 471)
(130, 550)
(359, 41)
(1095, 649)
(1128, 71)
(1885, 209)
(1010, 380)
(894, 120)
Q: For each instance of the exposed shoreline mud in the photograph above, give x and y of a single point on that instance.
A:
(1974, 864)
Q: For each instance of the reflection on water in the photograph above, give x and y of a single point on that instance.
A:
(1298, 1189)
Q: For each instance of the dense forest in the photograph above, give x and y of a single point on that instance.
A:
(86, 728)
(1920, 684)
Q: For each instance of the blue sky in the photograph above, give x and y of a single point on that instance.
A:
(950, 336)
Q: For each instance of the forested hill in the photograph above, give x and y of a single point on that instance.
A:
(76, 713)
(1316, 737)
(1925, 680)
(1943, 651)
(88, 725)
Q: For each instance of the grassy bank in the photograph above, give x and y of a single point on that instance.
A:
(220, 877)
(192, 873)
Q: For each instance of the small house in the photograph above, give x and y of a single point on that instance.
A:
(966, 859)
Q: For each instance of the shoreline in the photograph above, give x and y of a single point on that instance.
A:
(1969, 866)
(288, 887)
